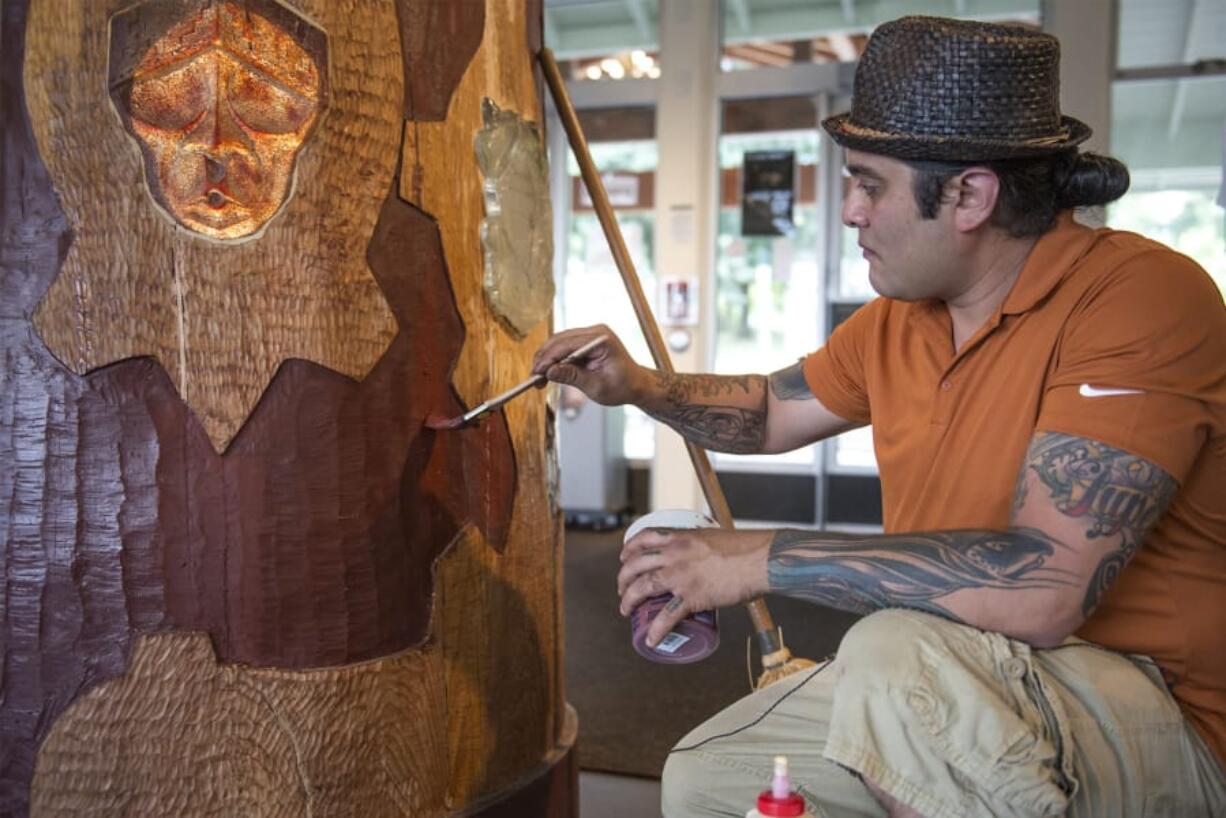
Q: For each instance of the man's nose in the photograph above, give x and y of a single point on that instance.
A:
(854, 213)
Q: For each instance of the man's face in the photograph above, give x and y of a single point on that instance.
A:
(909, 257)
(220, 106)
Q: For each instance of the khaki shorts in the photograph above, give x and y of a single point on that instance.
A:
(954, 721)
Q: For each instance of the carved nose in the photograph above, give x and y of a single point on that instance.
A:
(214, 171)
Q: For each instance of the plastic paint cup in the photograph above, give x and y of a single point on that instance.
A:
(693, 638)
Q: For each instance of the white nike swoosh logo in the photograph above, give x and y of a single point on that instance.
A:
(1087, 391)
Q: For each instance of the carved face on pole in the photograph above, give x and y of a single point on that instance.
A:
(220, 104)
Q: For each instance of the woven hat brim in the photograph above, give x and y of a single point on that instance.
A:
(949, 148)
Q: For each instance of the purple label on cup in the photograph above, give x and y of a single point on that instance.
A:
(693, 638)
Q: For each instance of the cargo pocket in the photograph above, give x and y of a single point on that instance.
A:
(1001, 733)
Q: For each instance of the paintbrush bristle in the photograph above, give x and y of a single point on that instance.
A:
(441, 423)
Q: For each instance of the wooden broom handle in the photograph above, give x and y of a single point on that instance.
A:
(655, 341)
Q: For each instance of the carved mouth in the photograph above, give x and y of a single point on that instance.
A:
(217, 210)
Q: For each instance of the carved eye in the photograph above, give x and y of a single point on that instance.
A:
(173, 101)
(264, 107)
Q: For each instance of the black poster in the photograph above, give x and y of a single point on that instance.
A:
(768, 189)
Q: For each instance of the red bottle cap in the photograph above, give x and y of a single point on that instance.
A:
(769, 805)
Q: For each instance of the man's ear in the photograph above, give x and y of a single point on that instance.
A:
(976, 191)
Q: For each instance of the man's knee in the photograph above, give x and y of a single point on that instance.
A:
(690, 785)
(890, 644)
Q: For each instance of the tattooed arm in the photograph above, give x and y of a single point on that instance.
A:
(720, 412)
(1081, 511)
(728, 413)
(745, 413)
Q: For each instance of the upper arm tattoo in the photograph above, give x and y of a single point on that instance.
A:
(790, 383)
(694, 409)
(1113, 491)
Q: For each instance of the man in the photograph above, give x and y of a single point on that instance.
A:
(1049, 414)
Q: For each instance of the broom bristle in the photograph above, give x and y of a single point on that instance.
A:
(786, 666)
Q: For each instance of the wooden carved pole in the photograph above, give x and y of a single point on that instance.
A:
(246, 248)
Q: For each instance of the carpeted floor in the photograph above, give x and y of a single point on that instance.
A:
(632, 711)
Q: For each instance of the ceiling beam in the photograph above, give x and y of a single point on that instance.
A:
(639, 15)
(1180, 98)
(811, 19)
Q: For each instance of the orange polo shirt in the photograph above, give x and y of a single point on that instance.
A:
(1091, 310)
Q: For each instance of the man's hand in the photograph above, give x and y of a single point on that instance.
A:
(702, 568)
(607, 375)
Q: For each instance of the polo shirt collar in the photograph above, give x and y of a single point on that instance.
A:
(1055, 253)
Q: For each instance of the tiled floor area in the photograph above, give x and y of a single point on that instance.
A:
(617, 796)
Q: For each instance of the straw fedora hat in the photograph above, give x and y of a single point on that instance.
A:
(952, 90)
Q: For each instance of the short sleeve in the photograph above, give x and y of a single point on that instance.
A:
(835, 373)
(1142, 363)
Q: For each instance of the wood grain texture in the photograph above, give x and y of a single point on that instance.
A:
(309, 544)
(505, 710)
(439, 38)
(219, 316)
(549, 789)
(179, 734)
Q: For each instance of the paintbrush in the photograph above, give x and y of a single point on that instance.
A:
(435, 422)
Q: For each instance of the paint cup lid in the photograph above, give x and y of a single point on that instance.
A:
(670, 518)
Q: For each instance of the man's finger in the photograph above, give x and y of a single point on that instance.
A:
(645, 587)
(563, 373)
(666, 620)
(563, 344)
(639, 566)
(649, 538)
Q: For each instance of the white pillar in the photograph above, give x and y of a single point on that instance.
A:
(1087, 33)
(686, 125)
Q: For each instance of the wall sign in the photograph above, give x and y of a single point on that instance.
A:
(768, 191)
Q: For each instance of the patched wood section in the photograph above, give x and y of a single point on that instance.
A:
(439, 37)
(517, 232)
(219, 316)
(181, 735)
(498, 617)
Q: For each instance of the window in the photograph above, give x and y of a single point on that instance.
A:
(592, 291)
(766, 286)
(1167, 121)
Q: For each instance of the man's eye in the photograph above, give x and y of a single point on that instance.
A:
(869, 189)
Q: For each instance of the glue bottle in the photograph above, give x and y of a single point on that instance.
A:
(779, 800)
(693, 638)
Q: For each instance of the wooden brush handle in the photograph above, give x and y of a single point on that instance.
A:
(655, 341)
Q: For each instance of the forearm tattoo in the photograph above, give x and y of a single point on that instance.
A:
(1113, 491)
(790, 383)
(726, 413)
(865, 574)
